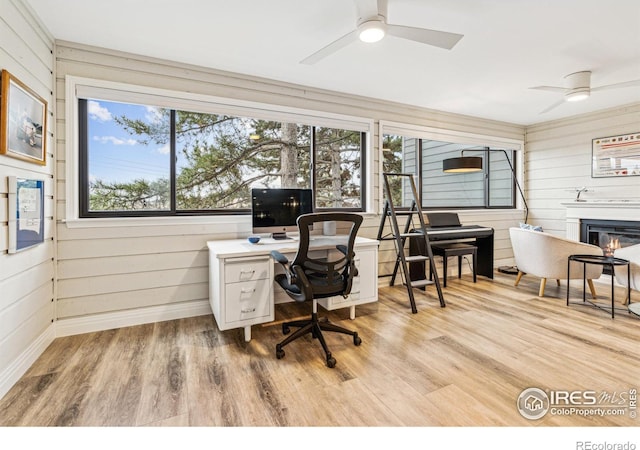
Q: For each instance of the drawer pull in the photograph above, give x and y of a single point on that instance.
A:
(251, 271)
(248, 310)
(247, 291)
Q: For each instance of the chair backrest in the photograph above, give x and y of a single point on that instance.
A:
(334, 274)
(545, 255)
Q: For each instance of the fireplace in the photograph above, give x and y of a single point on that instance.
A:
(610, 234)
(582, 216)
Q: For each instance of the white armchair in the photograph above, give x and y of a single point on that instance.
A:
(631, 254)
(545, 255)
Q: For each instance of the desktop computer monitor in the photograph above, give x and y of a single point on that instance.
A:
(277, 210)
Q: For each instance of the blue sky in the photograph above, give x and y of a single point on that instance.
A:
(117, 156)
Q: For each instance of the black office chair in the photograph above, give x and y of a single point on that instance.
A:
(308, 279)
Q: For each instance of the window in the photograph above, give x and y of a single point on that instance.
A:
(393, 162)
(141, 159)
(122, 172)
(493, 187)
(338, 174)
(421, 153)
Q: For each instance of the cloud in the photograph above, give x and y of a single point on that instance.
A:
(114, 140)
(98, 112)
(154, 114)
(164, 150)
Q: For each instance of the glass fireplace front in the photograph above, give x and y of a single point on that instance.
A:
(610, 234)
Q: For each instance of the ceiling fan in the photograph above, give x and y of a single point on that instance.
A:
(578, 87)
(372, 26)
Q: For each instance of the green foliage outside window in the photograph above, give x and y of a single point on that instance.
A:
(218, 159)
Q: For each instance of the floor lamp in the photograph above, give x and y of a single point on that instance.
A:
(468, 164)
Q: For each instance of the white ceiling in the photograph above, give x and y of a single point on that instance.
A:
(508, 47)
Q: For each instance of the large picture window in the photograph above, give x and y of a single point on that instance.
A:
(150, 160)
(421, 155)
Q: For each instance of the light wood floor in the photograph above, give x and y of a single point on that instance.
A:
(463, 365)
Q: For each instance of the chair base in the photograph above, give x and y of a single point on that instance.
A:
(315, 327)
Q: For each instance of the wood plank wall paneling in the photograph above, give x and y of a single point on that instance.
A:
(161, 258)
(558, 160)
(27, 307)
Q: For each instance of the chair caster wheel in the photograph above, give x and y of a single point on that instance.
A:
(279, 352)
(285, 329)
(331, 362)
(356, 340)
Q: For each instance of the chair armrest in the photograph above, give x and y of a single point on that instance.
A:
(279, 257)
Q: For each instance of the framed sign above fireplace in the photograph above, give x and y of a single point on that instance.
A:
(616, 156)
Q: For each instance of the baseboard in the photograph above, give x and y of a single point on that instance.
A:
(19, 366)
(108, 321)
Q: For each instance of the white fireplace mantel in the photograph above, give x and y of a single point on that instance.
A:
(598, 210)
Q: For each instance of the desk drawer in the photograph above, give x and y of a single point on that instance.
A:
(247, 300)
(247, 270)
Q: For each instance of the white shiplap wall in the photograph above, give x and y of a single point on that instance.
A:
(27, 307)
(114, 276)
(559, 160)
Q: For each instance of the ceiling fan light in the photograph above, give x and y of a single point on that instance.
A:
(578, 95)
(371, 31)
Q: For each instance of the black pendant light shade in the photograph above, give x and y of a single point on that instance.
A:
(462, 164)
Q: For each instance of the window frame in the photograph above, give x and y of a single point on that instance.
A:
(87, 88)
(463, 138)
(486, 171)
(363, 174)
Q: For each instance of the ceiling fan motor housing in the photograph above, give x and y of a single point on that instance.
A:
(578, 86)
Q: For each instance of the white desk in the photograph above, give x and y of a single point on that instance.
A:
(241, 287)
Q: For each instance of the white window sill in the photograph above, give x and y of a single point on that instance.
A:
(156, 221)
(112, 222)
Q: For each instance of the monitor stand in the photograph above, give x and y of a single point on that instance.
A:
(280, 236)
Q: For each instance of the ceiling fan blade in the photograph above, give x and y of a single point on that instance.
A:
(436, 38)
(382, 8)
(366, 8)
(331, 48)
(617, 85)
(550, 88)
(553, 106)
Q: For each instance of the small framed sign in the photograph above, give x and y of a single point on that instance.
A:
(616, 156)
(26, 213)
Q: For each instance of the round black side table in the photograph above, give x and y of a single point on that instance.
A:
(609, 261)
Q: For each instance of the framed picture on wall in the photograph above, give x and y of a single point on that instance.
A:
(26, 213)
(23, 121)
(616, 156)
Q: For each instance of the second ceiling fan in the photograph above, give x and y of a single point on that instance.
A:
(578, 87)
(372, 26)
